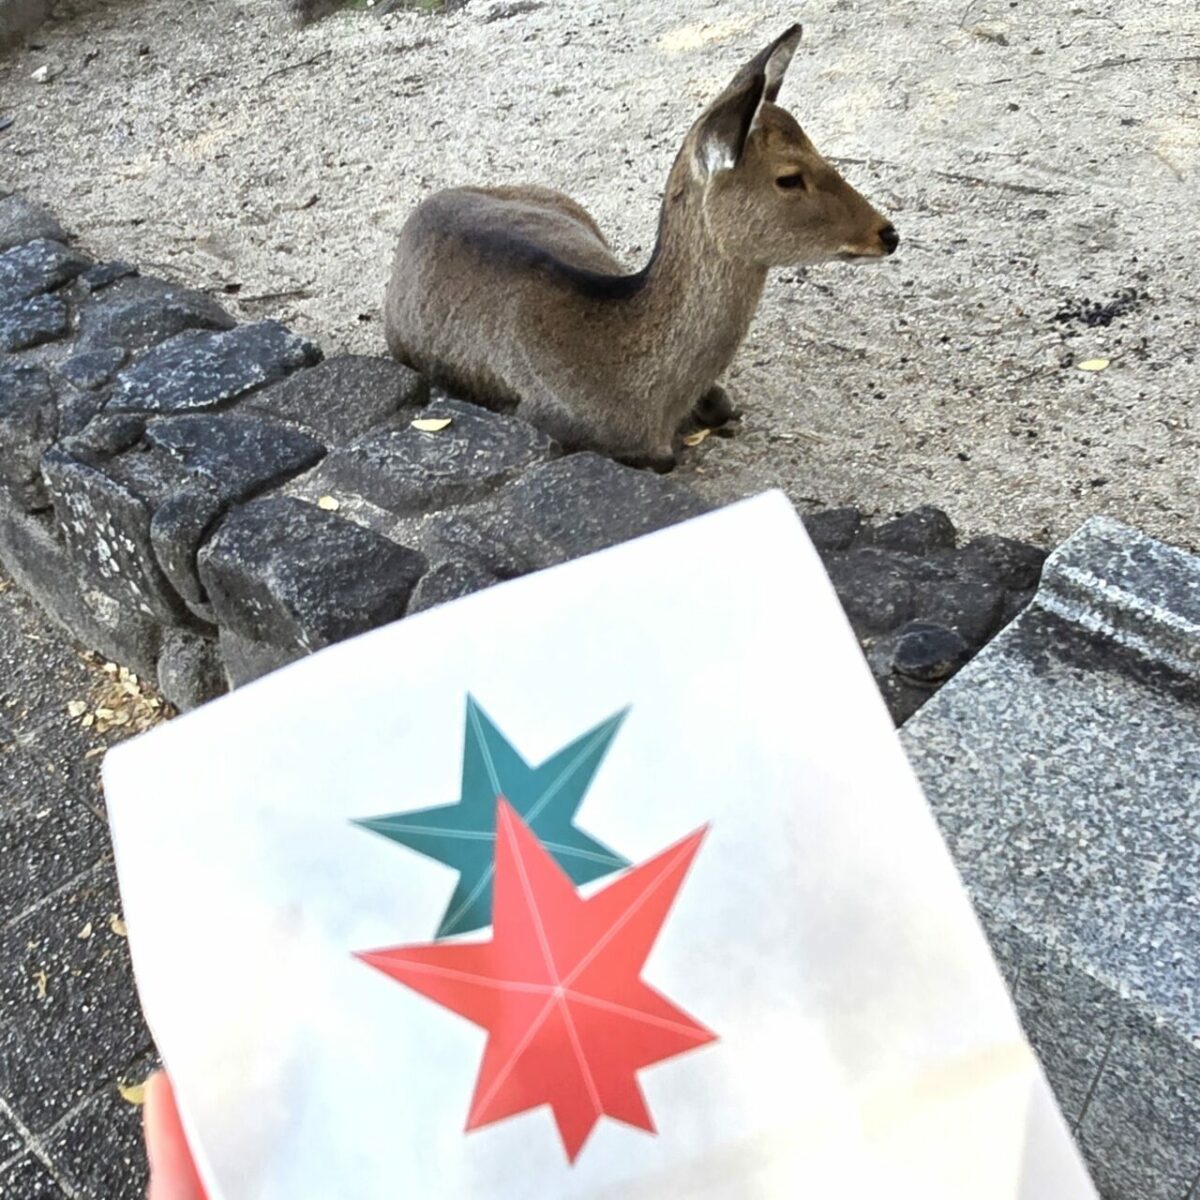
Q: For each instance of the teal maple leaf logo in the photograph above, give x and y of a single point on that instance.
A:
(546, 797)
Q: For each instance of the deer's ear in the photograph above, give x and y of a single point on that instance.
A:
(772, 62)
(723, 130)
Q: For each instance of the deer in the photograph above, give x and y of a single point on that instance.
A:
(512, 298)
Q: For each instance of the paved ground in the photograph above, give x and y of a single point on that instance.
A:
(70, 1028)
(1038, 156)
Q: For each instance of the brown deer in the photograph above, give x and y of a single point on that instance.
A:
(511, 296)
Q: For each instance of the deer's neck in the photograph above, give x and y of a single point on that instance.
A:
(696, 302)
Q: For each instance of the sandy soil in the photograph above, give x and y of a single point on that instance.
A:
(1036, 158)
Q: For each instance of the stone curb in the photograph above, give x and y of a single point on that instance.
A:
(1062, 766)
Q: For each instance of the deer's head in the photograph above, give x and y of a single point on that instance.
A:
(767, 195)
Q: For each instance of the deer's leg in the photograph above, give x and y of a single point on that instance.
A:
(714, 408)
(660, 462)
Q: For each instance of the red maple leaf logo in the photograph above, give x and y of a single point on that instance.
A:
(558, 988)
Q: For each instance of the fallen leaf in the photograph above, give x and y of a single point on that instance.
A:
(132, 1093)
(41, 979)
(76, 708)
(329, 503)
(118, 926)
(694, 439)
(85, 932)
(432, 424)
(1093, 364)
(104, 714)
(88, 721)
(93, 753)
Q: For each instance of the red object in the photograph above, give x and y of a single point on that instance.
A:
(559, 988)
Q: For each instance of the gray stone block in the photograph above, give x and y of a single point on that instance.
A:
(1062, 764)
(42, 567)
(36, 267)
(558, 511)
(32, 322)
(833, 528)
(408, 471)
(234, 452)
(925, 530)
(135, 313)
(23, 221)
(343, 398)
(135, 499)
(973, 608)
(286, 573)
(1126, 587)
(450, 580)
(28, 424)
(1003, 560)
(103, 275)
(190, 669)
(93, 369)
(103, 516)
(876, 589)
(194, 372)
(246, 660)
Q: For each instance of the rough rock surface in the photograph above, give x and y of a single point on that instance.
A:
(287, 573)
(193, 372)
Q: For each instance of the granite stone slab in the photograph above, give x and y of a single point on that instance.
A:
(1063, 765)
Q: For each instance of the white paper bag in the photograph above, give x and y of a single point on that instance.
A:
(681, 879)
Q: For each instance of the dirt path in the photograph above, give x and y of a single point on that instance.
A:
(1042, 164)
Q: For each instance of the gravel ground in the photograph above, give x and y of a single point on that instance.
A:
(1041, 161)
(73, 1047)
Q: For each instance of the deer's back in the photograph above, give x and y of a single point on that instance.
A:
(473, 264)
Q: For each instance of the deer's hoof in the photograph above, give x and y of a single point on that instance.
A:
(714, 409)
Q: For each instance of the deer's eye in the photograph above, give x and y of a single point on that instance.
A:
(794, 182)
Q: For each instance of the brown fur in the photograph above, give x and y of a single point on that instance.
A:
(512, 296)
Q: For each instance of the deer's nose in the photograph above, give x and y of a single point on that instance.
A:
(890, 239)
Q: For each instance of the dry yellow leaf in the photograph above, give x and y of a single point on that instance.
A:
(329, 503)
(432, 424)
(104, 714)
(42, 980)
(85, 932)
(76, 708)
(132, 1093)
(1093, 364)
(93, 753)
(117, 926)
(694, 439)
